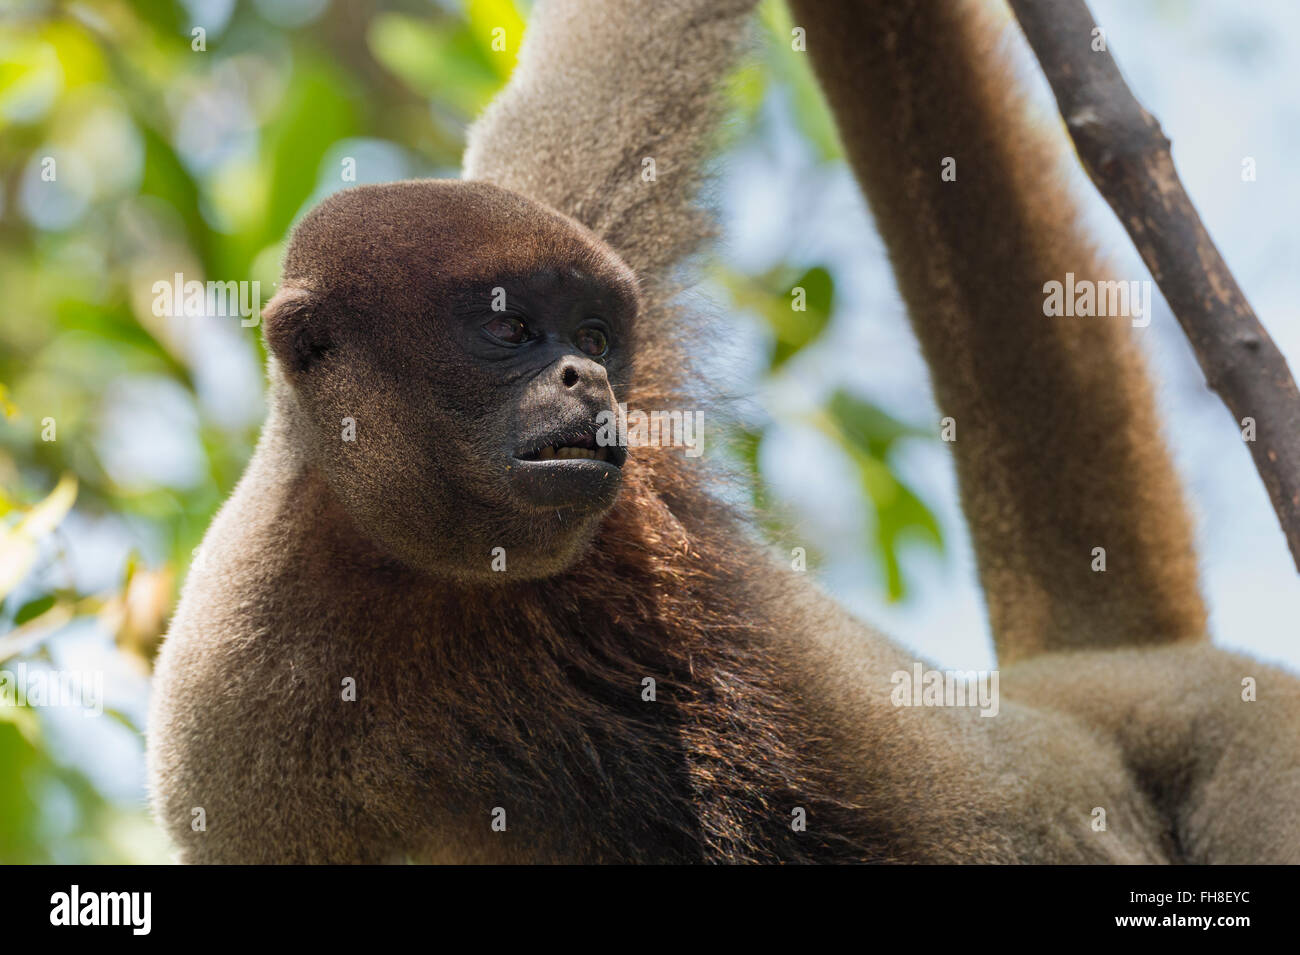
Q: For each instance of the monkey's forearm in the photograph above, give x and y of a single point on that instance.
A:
(1074, 507)
(608, 116)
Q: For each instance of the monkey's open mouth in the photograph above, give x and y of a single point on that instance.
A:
(568, 470)
(581, 447)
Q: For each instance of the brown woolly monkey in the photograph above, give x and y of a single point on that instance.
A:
(352, 676)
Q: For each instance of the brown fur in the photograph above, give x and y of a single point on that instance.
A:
(1058, 447)
(332, 561)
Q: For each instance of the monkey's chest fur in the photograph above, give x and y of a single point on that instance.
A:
(545, 729)
(320, 708)
(322, 704)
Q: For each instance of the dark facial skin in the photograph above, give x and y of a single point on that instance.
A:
(549, 337)
(474, 337)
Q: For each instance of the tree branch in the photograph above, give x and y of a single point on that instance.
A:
(1127, 156)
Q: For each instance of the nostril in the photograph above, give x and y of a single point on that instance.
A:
(569, 376)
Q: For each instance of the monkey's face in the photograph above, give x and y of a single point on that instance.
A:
(452, 351)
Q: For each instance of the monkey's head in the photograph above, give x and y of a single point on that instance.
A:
(448, 350)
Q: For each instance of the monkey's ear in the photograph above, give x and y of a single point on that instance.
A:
(295, 329)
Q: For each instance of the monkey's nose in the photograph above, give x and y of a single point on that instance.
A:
(577, 371)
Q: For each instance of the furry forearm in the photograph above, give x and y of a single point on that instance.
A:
(1058, 446)
(608, 116)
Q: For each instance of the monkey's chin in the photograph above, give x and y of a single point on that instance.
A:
(580, 483)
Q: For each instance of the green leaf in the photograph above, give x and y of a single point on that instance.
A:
(867, 434)
(33, 609)
(796, 306)
(866, 425)
(797, 328)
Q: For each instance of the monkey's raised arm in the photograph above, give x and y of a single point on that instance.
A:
(608, 115)
(1057, 443)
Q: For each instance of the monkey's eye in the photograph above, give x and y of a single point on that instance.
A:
(592, 341)
(507, 328)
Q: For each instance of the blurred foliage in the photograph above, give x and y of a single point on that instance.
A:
(797, 309)
(142, 138)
